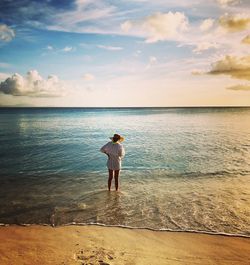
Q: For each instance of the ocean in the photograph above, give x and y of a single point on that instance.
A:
(185, 169)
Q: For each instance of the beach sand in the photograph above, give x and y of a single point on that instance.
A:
(113, 245)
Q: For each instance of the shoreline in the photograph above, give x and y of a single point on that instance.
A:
(130, 227)
(102, 245)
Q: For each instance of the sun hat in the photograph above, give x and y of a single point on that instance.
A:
(117, 138)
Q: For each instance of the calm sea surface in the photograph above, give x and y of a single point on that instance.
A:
(184, 169)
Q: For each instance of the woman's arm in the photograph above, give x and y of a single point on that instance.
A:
(104, 149)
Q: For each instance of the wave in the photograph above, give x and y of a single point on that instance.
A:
(132, 227)
(159, 171)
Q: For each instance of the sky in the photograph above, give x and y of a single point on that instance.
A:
(133, 53)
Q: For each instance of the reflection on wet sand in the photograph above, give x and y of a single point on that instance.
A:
(98, 207)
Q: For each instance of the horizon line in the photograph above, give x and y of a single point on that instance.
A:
(127, 107)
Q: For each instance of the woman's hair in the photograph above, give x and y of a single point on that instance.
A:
(115, 139)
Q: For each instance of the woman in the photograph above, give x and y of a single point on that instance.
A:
(115, 152)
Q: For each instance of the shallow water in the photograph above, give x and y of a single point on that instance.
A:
(185, 168)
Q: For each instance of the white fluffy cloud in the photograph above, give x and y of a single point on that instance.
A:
(207, 24)
(203, 46)
(158, 27)
(67, 49)
(32, 85)
(6, 33)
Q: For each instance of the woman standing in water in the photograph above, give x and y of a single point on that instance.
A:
(115, 152)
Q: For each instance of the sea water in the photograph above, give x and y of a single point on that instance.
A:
(185, 169)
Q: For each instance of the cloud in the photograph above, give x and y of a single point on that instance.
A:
(158, 27)
(4, 65)
(151, 61)
(236, 67)
(137, 53)
(86, 16)
(88, 77)
(246, 40)
(234, 23)
(126, 26)
(207, 24)
(6, 33)
(110, 48)
(3, 76)
(85, 12)
(32, 85)
(240, 87)
(67, 49)
(203, 46)
(227, 2)
(197, 72)
(50, 48)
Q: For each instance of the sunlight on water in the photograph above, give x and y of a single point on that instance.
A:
(185, 169)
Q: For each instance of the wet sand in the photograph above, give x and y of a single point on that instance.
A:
(112, 245)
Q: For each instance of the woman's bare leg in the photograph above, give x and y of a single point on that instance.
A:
(111, 174)
(117, 179)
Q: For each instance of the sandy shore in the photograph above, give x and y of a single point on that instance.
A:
(109, 245)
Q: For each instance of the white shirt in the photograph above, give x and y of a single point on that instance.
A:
(115, 152)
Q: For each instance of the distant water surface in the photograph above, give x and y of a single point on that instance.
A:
(185, 168)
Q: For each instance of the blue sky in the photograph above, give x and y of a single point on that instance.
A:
(124, 53)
